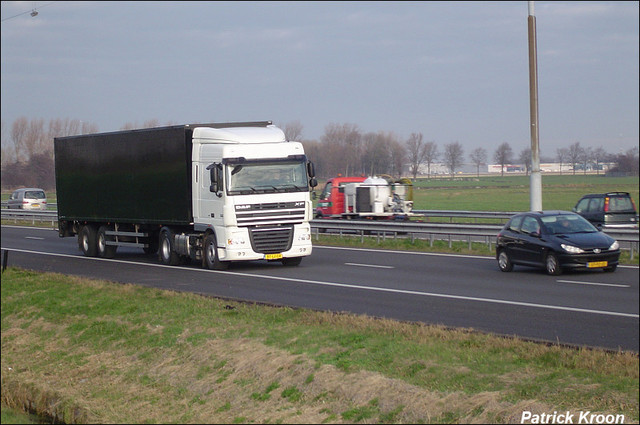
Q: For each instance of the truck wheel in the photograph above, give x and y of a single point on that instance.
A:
(87, 241)
(210, 254)
(166, 253)
(104, 250)
(291, 262)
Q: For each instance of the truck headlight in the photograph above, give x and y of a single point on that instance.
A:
(236, 241)
(305, 236)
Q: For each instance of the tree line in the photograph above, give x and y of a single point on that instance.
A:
(28, 158)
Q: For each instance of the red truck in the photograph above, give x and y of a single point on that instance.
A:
(365, 197)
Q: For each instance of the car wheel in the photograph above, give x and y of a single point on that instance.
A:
(504, 262)
(104, 250)
(87, 241)
(166, 253)
(210, 255)
(552, 264)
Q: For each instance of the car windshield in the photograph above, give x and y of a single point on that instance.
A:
(565, 224)
(267, 176)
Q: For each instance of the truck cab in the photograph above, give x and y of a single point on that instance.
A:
(251, 190)
(332, 200)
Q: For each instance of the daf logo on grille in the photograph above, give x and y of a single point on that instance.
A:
(597, 250)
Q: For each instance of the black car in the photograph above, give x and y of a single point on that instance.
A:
(555, 240)
(613, 209)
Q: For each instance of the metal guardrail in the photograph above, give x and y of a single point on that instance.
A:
(497, 215)
(451, 232)
(467, 232)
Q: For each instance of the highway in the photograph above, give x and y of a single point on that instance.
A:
(593, 308)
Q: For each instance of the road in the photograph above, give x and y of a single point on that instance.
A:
(583, 308)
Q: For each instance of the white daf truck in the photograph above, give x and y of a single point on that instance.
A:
(212, 193)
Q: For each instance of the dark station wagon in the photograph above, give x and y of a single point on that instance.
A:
(554, 241)
(613, 209)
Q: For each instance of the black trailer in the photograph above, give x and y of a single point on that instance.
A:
(121, 188)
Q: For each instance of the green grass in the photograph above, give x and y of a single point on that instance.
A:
(95, 351)
(511, 193)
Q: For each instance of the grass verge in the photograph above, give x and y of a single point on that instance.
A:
(92, 351)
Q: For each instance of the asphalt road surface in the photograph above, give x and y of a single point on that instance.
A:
(591, 308)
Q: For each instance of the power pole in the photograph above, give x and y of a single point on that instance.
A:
(536, 177)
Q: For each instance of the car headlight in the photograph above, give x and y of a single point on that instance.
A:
(572, 249)
(614, 246)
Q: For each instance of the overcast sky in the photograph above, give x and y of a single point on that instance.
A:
(453, 71)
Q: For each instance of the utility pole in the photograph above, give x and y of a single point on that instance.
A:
(536, 177)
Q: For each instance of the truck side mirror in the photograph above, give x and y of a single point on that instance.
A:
(311, 169)
(216, 178)
(313, 182)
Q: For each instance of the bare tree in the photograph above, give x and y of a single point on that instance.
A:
(574, 154)
(415, 153)
(35, 137)
(376, 155)
(18, 137)
(503, 156)
(478, 157)
(525, 159)
(585, 157)
(431, 155)
(453, 156)
(627, 163)
(398, 156)
(344, 146)
(293, 131)
(598, 155)
(561, 155)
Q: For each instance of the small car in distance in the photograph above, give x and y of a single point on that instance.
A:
(613, 209)
(28, 199)
(554, 241)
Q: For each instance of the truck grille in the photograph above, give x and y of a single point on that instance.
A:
(271, 240)
(270, 213)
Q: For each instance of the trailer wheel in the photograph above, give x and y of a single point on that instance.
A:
(104, 250)
(87, 241)
(210, 254)
(166, 252)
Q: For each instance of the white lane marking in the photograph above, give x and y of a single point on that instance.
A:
(34, 238)
(350, 286)
(576, 282)
(430, 254)
(369, 265)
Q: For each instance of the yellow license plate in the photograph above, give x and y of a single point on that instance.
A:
(273, 256)
(35, 205)
(597, 264)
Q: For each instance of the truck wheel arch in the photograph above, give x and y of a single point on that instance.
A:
(166, 251)
(210, 258)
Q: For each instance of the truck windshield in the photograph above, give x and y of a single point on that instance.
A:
(267, 177)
